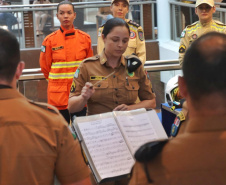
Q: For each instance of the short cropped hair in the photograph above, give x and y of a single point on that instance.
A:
(9, 55)
(65, 2)
(114, 22)
(205, 64)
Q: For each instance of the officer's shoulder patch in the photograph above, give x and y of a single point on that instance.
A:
(182, 48)
(133, 23)
(149, 150)
(94, 58)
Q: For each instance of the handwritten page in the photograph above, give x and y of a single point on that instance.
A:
(106, 146)
(138, 129)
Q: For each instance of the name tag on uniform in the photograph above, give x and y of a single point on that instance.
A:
(97, 77)
(57, 48)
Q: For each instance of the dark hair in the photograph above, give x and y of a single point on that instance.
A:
(65, 2)
(205, 64)
(111, 23)
(9, 55)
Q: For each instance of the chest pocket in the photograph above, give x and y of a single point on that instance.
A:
(132, 88)
(58, 53)
(101, 90)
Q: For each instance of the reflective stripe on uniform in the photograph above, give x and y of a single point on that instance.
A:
(65, 64)
(61, 75)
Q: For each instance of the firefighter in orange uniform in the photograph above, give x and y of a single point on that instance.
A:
(61, 53)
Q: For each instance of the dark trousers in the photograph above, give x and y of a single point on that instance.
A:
(66, 115)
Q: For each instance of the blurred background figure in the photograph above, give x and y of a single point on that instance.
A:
(40, 17)
(136, 45)
(104, 14)
(7, 18)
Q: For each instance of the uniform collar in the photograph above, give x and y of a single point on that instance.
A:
(103, 59)
(5, 86)
(67, 32)
(10, 93)
(206, 24)
(208, 123)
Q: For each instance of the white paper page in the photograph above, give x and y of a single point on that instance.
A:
(139, 127)
(106, 146)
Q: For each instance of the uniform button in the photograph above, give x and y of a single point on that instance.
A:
(99, 85)
(116, 89)
(133, 87)
(113, 76)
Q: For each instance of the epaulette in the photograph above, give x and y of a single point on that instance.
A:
(94, 58)
(133, 63)
(133, 23)
(177, 123)
(149, 150)
(219, 23)
(192, 25)
(84, 33)
(50, 35)
(45, 106)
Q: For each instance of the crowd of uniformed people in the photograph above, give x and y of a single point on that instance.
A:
(35, 142)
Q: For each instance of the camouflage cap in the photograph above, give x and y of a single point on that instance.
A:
(209, 2)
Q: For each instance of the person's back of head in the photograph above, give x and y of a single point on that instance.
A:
(10, 55)
(204, 66)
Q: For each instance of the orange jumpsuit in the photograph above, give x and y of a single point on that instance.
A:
(61, 53)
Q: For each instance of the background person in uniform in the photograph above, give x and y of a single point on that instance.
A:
(119, 91)
(136, 44)
(204, 9)
(35, 142)
(40, 17)
(61, 53)
(198, 155)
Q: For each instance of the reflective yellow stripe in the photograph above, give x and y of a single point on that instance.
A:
(61, 75)
(65, 64)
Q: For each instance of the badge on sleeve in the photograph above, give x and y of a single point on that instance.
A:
(183, 34)
(73, 87)
(99, 33)
(182, 48)
(141, 35)
(132, 34)
(77, 73)
(43, 49)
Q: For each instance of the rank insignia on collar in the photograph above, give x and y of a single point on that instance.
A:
(182, 48)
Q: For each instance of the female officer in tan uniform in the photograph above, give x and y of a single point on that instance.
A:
(136, 45)
(120, 90)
